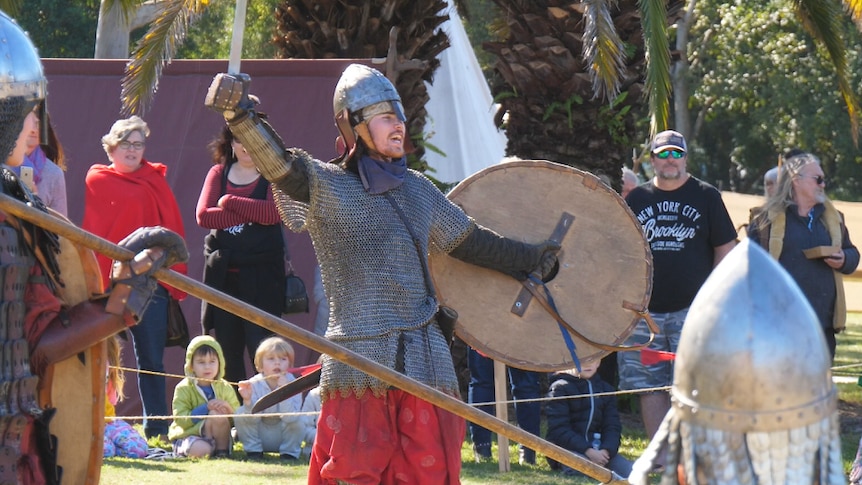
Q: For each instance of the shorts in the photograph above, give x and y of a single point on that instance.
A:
(634, 375)
(182, 445)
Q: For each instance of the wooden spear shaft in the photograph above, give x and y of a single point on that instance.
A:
(310, 340)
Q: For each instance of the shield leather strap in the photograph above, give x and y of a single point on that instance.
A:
(533, 288)
(600, 292)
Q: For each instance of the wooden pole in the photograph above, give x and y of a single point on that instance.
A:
(502, 413)
(236, 37)
(282, 327)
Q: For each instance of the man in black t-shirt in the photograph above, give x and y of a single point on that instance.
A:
(689, 231)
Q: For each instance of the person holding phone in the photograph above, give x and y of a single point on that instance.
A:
(44, 163)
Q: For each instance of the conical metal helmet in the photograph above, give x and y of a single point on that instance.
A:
(20, 68)
(752, 355)
(22, 82)
(752, 397)
(361, 87)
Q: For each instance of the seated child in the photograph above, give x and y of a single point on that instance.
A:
(282, 434)
(574, 423)
(121, 439)
(203, 392)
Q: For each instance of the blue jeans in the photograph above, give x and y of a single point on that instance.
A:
(149, 341)
(525, 385)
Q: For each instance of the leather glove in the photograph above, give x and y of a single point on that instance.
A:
(228, 94)
(132, 283)
(548, 259)
(484, 247)
(157, 236)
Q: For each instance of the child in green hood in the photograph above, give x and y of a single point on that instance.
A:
(201, 402)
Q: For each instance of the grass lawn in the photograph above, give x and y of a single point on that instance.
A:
(236, 471)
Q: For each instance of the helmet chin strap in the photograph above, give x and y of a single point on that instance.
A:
(365, 135)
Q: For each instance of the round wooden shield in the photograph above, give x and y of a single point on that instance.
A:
(604, 278)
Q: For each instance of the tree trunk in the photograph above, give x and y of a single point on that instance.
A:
(328, 29)
(546, 94)
(112, 30)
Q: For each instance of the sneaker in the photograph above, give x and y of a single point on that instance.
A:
(254, 455)
(482, 452)
(287, 457)
(221, 454)
(526, 456)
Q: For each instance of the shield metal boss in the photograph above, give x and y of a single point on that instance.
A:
(604, 276)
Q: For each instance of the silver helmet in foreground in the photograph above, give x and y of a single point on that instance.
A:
(361, 93)
(22, 81)
(753, 398)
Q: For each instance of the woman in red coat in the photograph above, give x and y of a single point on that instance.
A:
(129, 193)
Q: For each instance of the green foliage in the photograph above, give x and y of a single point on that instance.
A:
(761, 86)
(482, 25)
(61, 28)
(210, 34)
(614, 120)
(566, 106)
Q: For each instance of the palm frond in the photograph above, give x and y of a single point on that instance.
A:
(154, 51)
(822, 19)
(854, 8)
(603, 48)
(658, 83)
(11, 7)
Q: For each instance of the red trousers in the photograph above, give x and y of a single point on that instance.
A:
(397, 438)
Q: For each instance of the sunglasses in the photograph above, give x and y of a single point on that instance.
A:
(677, 154)
(821, 180)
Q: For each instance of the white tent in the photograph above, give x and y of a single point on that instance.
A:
(461, 111)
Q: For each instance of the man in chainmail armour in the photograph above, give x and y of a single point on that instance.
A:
(37, 328)
(752, 398)
(373, 223)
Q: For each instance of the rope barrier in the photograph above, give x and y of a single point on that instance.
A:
(261, 415)
(475, 405)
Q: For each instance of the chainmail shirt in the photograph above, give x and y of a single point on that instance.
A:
(379, 304)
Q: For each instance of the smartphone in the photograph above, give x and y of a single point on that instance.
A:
(27, 178)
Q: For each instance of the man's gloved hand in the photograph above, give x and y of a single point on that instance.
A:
(132, 282)
(157, 236)
(548, 259)
(228, 94)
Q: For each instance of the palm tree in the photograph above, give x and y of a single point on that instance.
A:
(11, 7)
(327, 29)
(567, 71)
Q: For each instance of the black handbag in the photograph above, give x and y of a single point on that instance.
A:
(178, 329)
(296, 296)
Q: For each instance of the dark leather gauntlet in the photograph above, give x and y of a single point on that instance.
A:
(484, 247)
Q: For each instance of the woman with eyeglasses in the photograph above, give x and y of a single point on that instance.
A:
(128, 193)
(801, 228)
